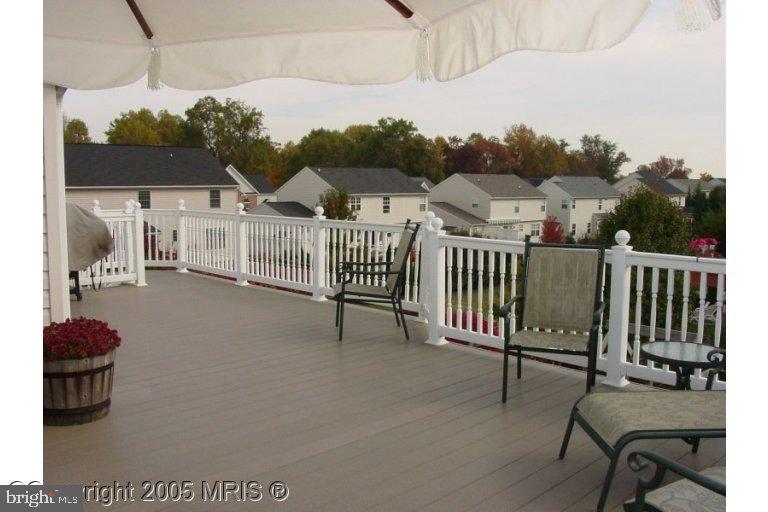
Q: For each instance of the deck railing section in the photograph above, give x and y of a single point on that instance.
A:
(456, 284)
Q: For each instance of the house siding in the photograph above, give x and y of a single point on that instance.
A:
(459, 192)
(401, 208)
(305, 187)
(161, 198)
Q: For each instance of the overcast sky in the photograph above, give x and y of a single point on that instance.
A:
(659, 92)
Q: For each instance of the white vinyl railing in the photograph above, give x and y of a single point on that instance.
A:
(456, 284)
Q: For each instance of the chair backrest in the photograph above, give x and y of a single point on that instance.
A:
(400, 258)
(561, 286)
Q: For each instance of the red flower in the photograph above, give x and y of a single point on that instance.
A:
(78, 338)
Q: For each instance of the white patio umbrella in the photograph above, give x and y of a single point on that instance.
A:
(205, 44)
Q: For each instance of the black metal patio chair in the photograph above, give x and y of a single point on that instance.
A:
(560, 306)
(388, 278)
(704, 490)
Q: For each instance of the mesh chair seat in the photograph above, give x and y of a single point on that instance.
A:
(686, 496)
(553, 340)
(367, 290)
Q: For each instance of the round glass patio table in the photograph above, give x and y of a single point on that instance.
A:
(683, 357)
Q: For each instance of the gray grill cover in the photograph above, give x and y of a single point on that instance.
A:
(88, 237)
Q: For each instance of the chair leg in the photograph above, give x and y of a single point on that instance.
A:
(590, 371)
(695, 445)
(402, 317)
(338, 306)
(607, 484)
(341, 318)
(505, 375)
(566, 438)
(397, 316)
(519, 362)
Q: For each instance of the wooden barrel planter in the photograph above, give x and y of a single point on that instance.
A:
(77, 391)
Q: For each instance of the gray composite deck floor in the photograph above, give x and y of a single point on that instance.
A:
(220, 382)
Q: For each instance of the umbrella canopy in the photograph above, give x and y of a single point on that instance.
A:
(204, 44)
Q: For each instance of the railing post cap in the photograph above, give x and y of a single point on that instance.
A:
(319, 211)
(437, 223)
(240, 208)
(622, 237)
(429, 216)
(129, 206)
(96, 203)
(181, 205)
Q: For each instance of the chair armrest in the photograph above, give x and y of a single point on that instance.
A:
(636, 462)
(506, 309)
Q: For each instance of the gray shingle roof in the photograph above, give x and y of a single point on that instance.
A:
(585, 186)
(109, 165)
(283, 208)
(424, 182)
(658, 184)
(260, 183)
(453, 215)
(367, 180)
(690, 185)
(503, 185)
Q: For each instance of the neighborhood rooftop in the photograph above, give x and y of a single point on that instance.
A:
(687, 185)
(369, 180)
(503, 185)
(454, 216)
(284, 209)
(111, 165)
(658, 184)
(585, 186)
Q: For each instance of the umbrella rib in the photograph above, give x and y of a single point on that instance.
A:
(400, 7)
(140, 18)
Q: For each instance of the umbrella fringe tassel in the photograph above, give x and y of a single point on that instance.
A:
(153, 70)
(423, 67)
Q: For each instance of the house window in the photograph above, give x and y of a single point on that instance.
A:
(573, 204)
(215, 199)
(589, 228)
(573, 229)
(385, 204)
(423, 204)
(517, 208)
(543, 207)
(599, 204)
(175, 236)
(535, 229)
(564, 204)
(354, 204)
(475, 203)
(144, 199)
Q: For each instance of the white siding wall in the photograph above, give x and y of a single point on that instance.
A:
(461, 193)
(401, 208)
(555, 197)
(161, 198)
(305, 188)
(582, 215)
(530, 209)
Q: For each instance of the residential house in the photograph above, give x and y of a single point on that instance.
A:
(283, 209)
(155, 176)
(424, 182)
(383, 195)
(654, 182)
(575, 200)
(456, 220)
(505, 202)
(690, 186)
(254, 188)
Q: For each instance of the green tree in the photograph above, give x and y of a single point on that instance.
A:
(396, 143)
(535, 155)
(600, 157)
(654, 222)
(75, 131)
(134, 127)
(320, 147)
(335, 203)
(235, 133)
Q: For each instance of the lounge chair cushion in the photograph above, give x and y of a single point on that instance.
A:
(541, 339)
(362, 289)
(612, 415)
(686, 496)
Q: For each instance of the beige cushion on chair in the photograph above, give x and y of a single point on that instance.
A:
(560, 288)
(362, 289)
(686, 496)
(541, 339)
(399, 258)
(613, 415)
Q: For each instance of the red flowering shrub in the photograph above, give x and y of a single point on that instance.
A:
(78, 338)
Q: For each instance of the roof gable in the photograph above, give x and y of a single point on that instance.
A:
(503, 185)
(585, 187)
(110, 165)
(658, 184)
(369, 180)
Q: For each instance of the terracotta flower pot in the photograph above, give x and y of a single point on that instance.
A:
(77, 391)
